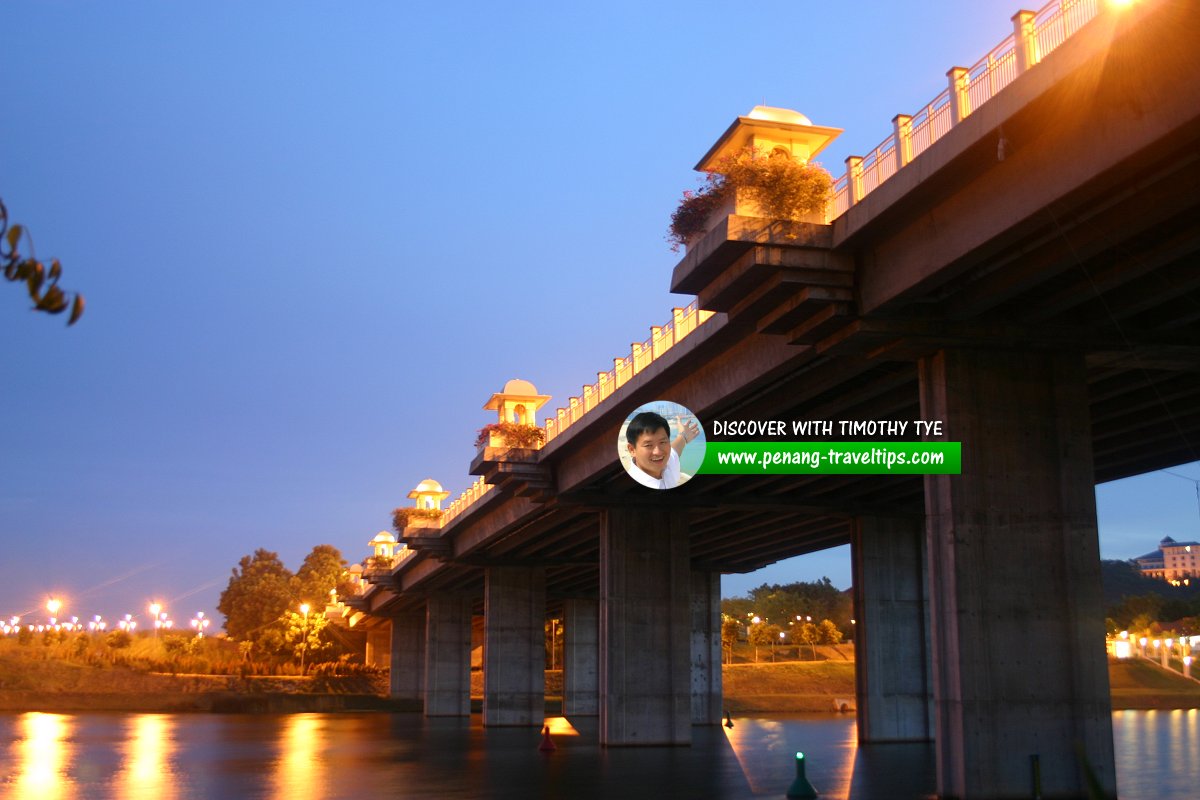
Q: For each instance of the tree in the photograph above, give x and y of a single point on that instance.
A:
(828, 633)
(784, 603)
(809, 635)
(304, 635)
(774, 633)
(731, 629)
(41, 283)
(257, 598)
(759, 634)
(323, 569)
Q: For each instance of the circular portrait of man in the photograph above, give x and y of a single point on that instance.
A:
(661, 444)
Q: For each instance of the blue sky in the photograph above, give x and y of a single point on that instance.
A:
(316, 237)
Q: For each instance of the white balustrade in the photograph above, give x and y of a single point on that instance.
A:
(1026, 46)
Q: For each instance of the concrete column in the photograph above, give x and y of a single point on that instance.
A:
(706, 648)
(448, 655)
(645, 627)
(379, 647)
(581, 653)
(1024, 42)
(891, 636)
(854, 182)
(514, 652)
(407, 679)
(902, 130)
(960, 102)
(1016, 613)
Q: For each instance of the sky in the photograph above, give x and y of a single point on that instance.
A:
(314, 239)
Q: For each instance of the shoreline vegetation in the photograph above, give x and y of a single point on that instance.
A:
(822, 686)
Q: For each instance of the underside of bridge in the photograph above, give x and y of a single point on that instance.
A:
(1044, 306)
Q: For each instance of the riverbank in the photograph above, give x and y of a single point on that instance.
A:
(788, 687)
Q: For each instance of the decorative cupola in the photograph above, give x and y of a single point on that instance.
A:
(429, 495)
(516, 404)
(747, 147)
(772, 131)
(384, 544)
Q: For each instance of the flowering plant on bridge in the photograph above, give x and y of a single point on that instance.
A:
(513, 434)
(379, 562)
(691, 217)
(781, 187)
(403, 517)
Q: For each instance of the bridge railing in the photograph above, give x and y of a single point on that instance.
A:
(1034, 36)
(472, 493)
(662, 338)
(641, 355)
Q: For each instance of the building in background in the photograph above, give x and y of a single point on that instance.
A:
(1174, 562)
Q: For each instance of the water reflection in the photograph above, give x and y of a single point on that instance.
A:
(350, 756)
(766, 749)
(1156, 753)
(43, 753)
(299, 773)
(148, 759)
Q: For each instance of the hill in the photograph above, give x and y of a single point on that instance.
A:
(1120, 579)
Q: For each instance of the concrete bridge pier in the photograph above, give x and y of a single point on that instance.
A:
(514, 652)
(891, 637)
(581, 654)
(378, 653)
(407, 678)
(448, 655)
(706, 648)
(645, 628)
(1016, 616)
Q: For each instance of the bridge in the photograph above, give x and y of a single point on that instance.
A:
(1017, 260)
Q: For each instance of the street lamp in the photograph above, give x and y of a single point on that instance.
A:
(53, 605)
(200, 622)
(154, 609)
(304, 645)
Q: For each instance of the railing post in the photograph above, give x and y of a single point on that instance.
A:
(1024, 41)
(960, 103)
(902, 130)
(636, 349)
(655, 335)
(854, 186)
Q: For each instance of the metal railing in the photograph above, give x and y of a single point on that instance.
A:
(1034, 36)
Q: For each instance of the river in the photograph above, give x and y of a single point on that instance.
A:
(366, 755)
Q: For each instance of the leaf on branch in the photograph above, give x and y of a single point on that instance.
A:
(76, 310)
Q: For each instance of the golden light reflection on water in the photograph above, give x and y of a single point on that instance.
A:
(42, 754)
(560, 726)
(299, 771)
(148, 759)
(754, 742)
(768, 758)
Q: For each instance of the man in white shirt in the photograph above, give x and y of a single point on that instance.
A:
(655, 457)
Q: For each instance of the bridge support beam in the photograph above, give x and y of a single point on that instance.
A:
(645, 627)
(407, 678)
(379, 648)
(706, 648)
(448, 655)
(1016, 612)
(891, 637)
(514, 651)
(581, 653)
